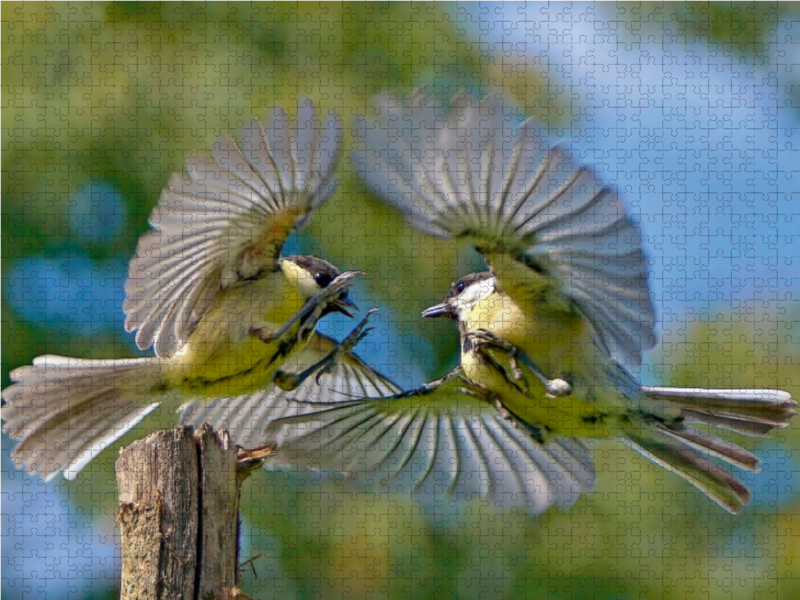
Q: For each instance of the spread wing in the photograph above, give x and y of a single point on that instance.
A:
(442, 438)
(247, 416)
(475, 172)
(227, 220)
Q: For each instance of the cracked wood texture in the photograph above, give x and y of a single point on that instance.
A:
(178, 515)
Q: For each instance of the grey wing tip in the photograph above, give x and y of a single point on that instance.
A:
(130, 326)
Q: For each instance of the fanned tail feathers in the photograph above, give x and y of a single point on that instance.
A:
(685, 451)
(749, 412)
(689, 463)
(65, 411)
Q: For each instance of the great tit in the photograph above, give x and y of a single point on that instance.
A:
(603, 400)
(230, 320)
(550, 330)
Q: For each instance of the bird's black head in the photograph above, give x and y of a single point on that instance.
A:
(312, 275)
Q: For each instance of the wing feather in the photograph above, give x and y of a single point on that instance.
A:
(439, 439)
(472, 173)
(530, 481)
(245, 200)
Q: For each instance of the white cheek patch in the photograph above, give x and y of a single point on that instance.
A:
(301, 279)
(474, 294)
(308, 287)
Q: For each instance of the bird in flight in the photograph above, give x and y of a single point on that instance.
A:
(231, 321)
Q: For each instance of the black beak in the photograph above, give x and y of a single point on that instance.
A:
(344, 305)
(440, 310)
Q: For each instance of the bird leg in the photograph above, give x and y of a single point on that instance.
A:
(480, 391)
(291, 381)
(487, 338)
(556, 388)
(296, 330)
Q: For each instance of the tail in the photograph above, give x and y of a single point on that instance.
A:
(684, 450)
(65, 411)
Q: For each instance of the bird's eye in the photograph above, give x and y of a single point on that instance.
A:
(460, 287)
(322, 279)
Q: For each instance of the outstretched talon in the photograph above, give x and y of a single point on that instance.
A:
(347, 345)
(555, 388)
(291, 381)
(308, 324)
(296, 331)
(471, 388)
(516, 372)
(263, 335)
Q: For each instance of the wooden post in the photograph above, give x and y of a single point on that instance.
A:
(178, 513)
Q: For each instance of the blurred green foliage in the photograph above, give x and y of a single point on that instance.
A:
(122, 92)
(741, 26)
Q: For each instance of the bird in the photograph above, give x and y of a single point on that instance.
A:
(603, 400)
(229, 319)
(548, 334)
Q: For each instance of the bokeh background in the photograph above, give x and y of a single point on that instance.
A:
(690, 110)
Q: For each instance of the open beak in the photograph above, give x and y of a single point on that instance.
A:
(439, 310)
(344, 305)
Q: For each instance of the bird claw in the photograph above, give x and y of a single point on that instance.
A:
(291, 381)
(263, 335)
(489, 339)
(516, 372)
(359, 332)
(309, 325)
(555, 388)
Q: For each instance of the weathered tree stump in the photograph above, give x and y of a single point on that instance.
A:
(178, 512)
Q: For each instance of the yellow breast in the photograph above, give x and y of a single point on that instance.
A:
(559, 345)
(528, 400)
(552, 340)
(223, 357)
